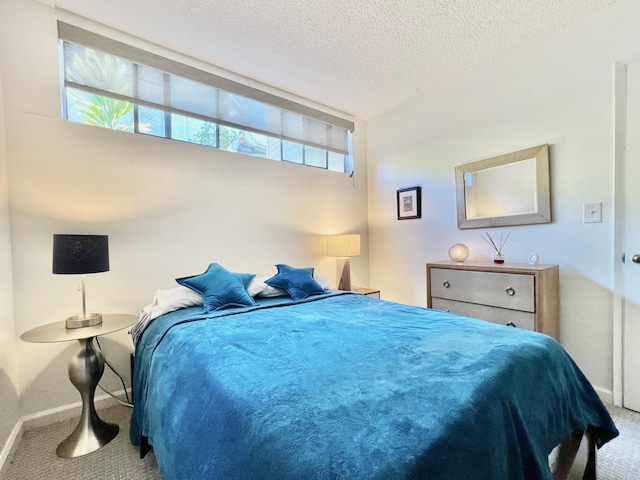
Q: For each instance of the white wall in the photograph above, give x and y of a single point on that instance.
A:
(558, 91)
(8, 396)
(169, 209)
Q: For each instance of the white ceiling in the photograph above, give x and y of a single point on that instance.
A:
(359, 56)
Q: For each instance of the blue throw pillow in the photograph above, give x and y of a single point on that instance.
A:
(220, 288)
(298, 282)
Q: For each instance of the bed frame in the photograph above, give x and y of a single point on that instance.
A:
(575, 456)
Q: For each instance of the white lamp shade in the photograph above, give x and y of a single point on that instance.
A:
(347, 245)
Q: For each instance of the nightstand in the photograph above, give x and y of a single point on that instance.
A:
(367, 291)
(85, 370)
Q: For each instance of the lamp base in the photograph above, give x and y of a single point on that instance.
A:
(344, 274)
(79, 321)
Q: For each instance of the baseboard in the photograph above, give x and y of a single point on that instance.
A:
(47, 417)
(11, 445)
(65, 412)
(605, 395)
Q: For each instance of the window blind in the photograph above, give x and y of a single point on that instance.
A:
(153, 81)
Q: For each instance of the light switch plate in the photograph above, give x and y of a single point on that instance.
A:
(592, 212)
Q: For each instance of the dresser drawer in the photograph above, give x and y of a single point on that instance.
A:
(519, 293)
(505, 290)
(502, 316)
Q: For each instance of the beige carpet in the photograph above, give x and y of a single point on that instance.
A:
(620, 458)
(35, 457)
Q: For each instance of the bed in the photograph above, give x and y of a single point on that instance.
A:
(342, 385)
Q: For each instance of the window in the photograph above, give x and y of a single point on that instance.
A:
(117, 86)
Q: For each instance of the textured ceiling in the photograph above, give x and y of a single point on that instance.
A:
(359, 56)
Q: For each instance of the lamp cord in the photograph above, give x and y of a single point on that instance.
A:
(128, 402)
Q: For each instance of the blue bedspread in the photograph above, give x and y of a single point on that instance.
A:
(345, 386)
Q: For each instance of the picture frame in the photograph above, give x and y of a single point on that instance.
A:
(409, 203)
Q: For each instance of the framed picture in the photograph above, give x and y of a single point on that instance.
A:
(409, 202)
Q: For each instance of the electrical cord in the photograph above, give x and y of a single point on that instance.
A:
(128, 402)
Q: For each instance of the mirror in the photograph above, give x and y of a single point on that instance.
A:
(511, 189)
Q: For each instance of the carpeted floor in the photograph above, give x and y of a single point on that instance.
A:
(35, 457)
(620, 458)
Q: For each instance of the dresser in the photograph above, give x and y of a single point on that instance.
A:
(513, 294)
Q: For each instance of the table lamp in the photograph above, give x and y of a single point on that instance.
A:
(78, 255)
(343, 247)
(458, 252)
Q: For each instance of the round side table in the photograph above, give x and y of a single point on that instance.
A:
(85, 370)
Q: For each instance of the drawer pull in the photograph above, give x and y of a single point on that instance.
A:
(511, 324)
(510, 291)
(445, 284)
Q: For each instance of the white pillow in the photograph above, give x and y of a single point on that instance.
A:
(324, 283)
(176, 298)
(258, 287)
(165, 301)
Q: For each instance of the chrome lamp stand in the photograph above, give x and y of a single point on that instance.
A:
(85, 370)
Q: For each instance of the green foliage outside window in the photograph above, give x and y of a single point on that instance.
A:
(206, 135)
(102, 111)
(107, 73)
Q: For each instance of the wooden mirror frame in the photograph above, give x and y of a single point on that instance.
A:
(543, 191)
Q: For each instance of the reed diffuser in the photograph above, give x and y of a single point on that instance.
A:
(497, 258)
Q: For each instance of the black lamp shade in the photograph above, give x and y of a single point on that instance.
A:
(79, 254)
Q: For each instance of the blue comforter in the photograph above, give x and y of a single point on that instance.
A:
(347, 386)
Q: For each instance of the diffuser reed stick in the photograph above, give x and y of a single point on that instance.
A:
(498, 258)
